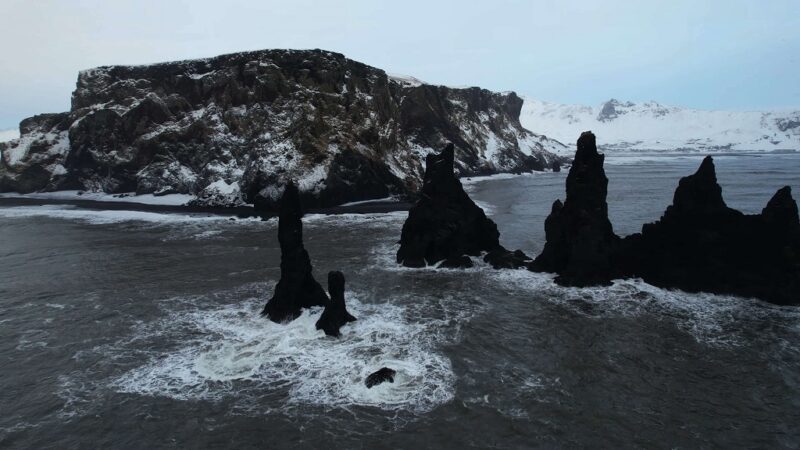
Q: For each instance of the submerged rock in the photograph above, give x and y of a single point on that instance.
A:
(297, 288)
(380, 376)
(700, 244)
(335, 314)
(580, 239)
(445, 224)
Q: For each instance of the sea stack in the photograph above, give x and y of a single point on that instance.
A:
(335, 314)
(446, 225)
(297, 288)
(580, 239)
(700, 244)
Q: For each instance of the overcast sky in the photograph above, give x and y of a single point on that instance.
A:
(715, 54)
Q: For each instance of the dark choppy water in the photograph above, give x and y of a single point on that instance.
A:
(141, 330)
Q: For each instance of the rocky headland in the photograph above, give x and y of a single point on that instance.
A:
(233, 129)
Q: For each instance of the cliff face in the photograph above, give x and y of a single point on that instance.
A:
(233, 128)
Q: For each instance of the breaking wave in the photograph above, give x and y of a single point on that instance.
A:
(711, 319)
(230, 351)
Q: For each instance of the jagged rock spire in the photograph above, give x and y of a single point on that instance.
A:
(700, 244)
(445, 224)
(335, 314)
(781, 210)
(580, 239)
(297, 288)
(698, 194)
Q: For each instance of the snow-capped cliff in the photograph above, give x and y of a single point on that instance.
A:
(234, 128)
(651, 126)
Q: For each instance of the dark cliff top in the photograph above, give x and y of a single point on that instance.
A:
(221, 60)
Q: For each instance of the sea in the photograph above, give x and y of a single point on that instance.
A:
(128, 329)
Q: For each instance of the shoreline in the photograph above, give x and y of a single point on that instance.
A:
(366, 207)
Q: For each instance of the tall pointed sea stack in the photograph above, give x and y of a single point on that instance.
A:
(446, 225)
(297, 288)
(700, 244)
(580, 239)
(335, 314)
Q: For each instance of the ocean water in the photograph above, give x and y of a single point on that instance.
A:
(141, 330)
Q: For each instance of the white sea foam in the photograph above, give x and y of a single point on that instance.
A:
(131, 197)
(232, 349)
(390, 199)
(709, 318)
(384, 257)
(376, 219)
(100, 217)
(469, 182)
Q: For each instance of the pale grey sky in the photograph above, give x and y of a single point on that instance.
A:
(714, 54)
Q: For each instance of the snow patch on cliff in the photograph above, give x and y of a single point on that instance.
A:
(405, 80)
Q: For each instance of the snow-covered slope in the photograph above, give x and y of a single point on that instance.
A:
(652, 126)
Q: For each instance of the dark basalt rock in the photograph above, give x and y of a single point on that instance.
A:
(445, 224)
(781, 211)
(335, 314)
(700, 244)
(380, 376)
(457, 262)
(500, 258)
(580, 239)
(233, 129)
(556, 166)
(297, 288)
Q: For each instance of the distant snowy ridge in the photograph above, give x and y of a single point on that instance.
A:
(632, 126)
(8, 135)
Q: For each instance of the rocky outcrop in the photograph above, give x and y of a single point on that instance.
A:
(380, 376)
(297, 288)
(335, 314)
(446, 225)
(700, 244)
(234, 128)
(580, 239)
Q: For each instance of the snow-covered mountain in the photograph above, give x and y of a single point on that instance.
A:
(652, 126)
